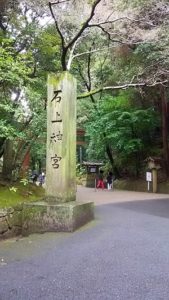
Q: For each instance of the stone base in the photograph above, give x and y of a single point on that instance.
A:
(10, 222)
(39, 217)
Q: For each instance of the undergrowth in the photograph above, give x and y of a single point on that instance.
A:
(17, 193)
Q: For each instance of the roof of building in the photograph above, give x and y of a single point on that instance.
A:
(92, 163)
(154, 159)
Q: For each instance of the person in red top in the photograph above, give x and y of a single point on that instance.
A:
(100, 183)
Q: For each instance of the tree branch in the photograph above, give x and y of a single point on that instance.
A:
(120, 87)
(71, 56)
(56, 23)
(94, 51)
(87, 84)
(59, 2)
(88, 71)
(85, 25)
(65, 48)
(119, 19)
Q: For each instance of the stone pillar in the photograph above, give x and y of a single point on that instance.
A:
(59, 211)
(154, 173)
(61, 138)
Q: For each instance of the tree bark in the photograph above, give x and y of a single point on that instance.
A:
(165, 127)
(8, 155)
(111, 159)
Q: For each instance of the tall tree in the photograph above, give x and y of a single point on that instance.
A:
(22, 79)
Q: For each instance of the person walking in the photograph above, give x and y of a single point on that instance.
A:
(34, 176)
(100, 183)
(109, 181)
(41, 179)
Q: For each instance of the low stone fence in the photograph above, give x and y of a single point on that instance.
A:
(140, 186)
(10, 222)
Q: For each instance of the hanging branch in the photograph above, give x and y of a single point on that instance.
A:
(120, 87)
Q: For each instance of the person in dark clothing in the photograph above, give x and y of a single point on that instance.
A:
(100, 183)
(41, 179)
(109, 181)
(34, 176)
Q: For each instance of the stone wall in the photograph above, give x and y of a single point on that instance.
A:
(10, 222)
(140, 186)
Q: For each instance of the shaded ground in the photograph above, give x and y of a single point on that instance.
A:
(122, 254)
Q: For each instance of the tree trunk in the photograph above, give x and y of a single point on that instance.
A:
(111, 159)
(2, 141)
(165, 127)
(39, 166)
(8, 155)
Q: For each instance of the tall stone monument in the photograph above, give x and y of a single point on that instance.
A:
(61, 138)
(59, 211)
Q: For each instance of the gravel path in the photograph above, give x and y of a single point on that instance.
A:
(122, 254)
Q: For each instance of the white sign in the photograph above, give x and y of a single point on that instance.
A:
(148, 176)
(93, 170)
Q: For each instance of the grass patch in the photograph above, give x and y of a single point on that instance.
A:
(19, 194)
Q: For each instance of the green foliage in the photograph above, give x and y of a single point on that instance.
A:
(27, 53)
(13, 75)
(7, 130)
(18, 193)
(24, 181)
(80, 170)
(13, 189)
(47, 50)
(13, 69)
(124, 120)
(129, 130)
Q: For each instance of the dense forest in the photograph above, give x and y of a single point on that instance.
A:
(117, 50)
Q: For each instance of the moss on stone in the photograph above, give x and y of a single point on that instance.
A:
(30, 211)
(55, 78)
(15, 219)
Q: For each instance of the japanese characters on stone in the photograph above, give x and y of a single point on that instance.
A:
(56, 135)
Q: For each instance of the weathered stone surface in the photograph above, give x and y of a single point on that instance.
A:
(15, 219)
(82, 214)
(43, 217)
(14, 231)
(10, 222)
(64, 217)
(61, 139)
(3, 225)
(6, 211)
(3, 213)
(18, 207)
